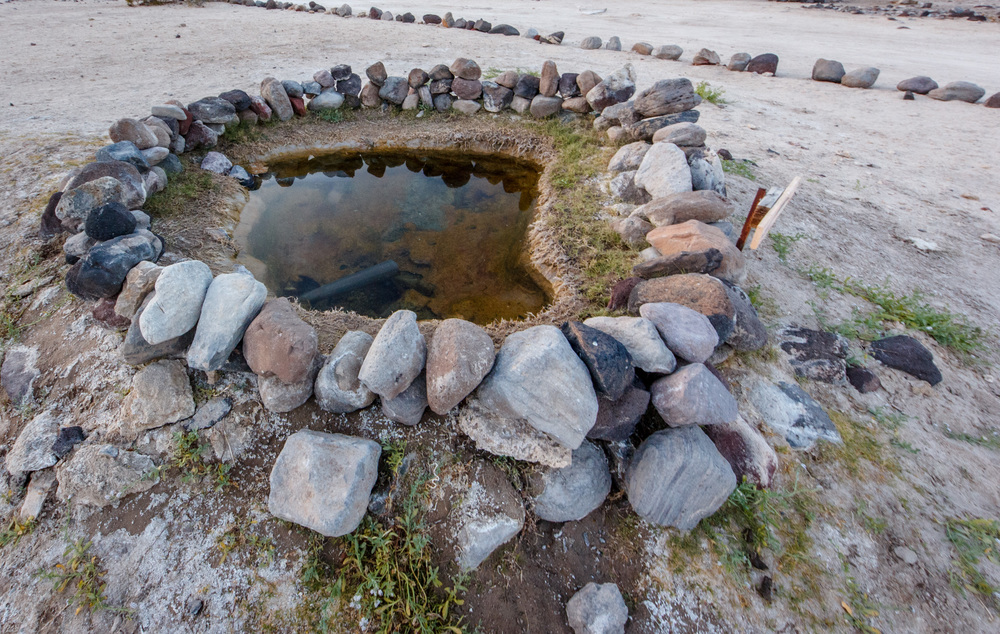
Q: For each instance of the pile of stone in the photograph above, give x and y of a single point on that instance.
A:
(910, 9)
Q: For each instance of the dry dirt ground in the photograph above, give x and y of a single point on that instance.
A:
(878, 171)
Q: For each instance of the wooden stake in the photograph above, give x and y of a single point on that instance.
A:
(772, 216)
(751, 220)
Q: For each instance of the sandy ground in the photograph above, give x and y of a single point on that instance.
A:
(879, 170)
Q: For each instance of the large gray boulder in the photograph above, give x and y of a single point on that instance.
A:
(323, 481)
(571, 493)
(459, 356)
(176, 306)
(688, 333)
(274, 94)
(617, 87)
(955, 91)
(161, 394)
(32, 451)
(789, 411)
(133, 188)
(667, 96)
(231, 303)
(538, 377)
(597, 609)
(641, 339)
(664, 171)
(677, 477)
(77, 203)
(396, 356)
(102, 475)
(693, 396)
(338, 388)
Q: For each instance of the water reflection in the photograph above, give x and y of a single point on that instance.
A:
(440, 234)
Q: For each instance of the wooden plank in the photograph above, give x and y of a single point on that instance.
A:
(772, 216)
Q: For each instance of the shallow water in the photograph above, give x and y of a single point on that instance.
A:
(454, 225)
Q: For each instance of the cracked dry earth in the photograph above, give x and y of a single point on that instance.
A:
(878, 172)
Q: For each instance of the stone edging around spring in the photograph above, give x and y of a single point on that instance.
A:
(539, 398)
(766, 63)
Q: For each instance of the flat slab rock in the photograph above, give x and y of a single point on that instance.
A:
(677, 477)
(815, 354)
(788, 410)
(102, 475)
(161, 394)
(323, 481)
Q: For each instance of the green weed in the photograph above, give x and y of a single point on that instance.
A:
(709, 94)
(16, 530)
(387, 576)
(83, 573)
(782, 243)
(858, 607)
(340, 115)
(860, 445)
(742, 168)
(189, 457)
(991, 441)
(974, 539)
(240, 538)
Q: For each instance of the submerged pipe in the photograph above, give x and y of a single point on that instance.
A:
(371, 275)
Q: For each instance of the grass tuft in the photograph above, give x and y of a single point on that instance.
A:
(189, 457)
(782, 243)
(16, 530)
(183, 188)
(912, 310)
(974, 539)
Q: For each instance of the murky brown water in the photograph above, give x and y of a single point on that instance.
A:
(454, 227)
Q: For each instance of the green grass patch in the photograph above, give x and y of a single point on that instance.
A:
(860, 446)
(709, 94)
(183, 188)
(742, 168)
(595, 248)
(749, 522)
(991, 441)
(859, 608)
(912, 310)
(974, 540)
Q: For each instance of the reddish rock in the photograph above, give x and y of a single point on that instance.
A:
(298, 106)
(696, 237)
(993, 101)
(620, 293)
(278, 343)
(470, 89)
(703, 293)
(260, 108)
(745, 450)
(104, 312)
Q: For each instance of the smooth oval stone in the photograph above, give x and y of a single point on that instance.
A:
(174, 310)
(231, 303)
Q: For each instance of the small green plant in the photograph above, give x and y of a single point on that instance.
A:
(859, 609)
(974, 539)
(333, 116)
(387, 576)
(709, 94)
(860, 445)
(189, 457)
(739, 168)
(83, 573)
(782, 243)
(990, 441)
(16, 530)
(240, 538)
